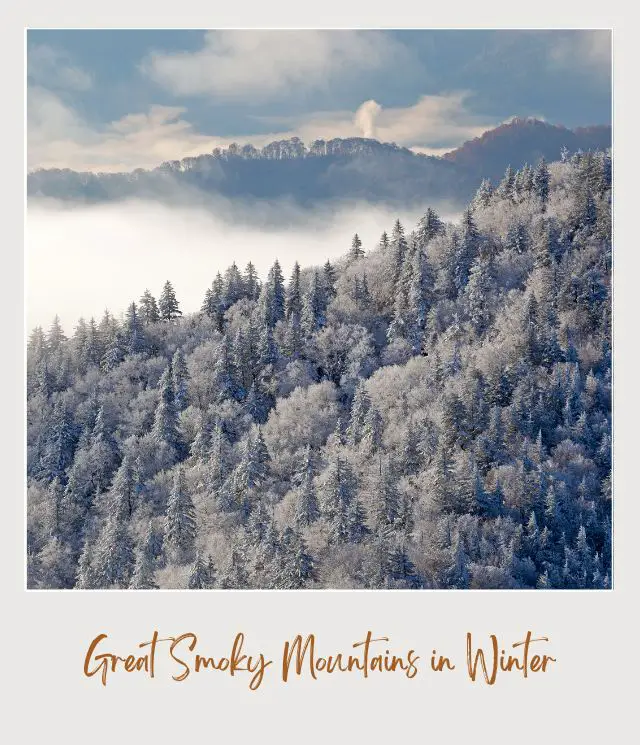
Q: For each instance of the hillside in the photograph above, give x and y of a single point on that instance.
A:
(336, 170)
(435, 413)
(523, 141)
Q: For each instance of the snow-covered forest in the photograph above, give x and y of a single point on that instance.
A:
(430, 412)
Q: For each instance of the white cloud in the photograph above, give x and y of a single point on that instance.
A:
(58, 137)
(433, 123)
(365, 118)
(53, 68)
(111, 253)
(259, 64)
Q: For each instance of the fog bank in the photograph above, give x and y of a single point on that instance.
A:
(84, 259)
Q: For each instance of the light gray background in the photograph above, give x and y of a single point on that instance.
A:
(587, 698)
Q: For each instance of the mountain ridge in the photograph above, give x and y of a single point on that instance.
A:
(340, 168)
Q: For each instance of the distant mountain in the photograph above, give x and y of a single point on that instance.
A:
(340, 169)
(523, 141)
(333, 170)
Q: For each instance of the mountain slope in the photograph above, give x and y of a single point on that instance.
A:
(524, 141)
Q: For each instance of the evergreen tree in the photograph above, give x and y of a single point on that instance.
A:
(165, 422)
(297, 566)
(356, 252)
(168, 304)
(307, 510)
(483, 196)
(251, 282)
(328, 280)
(127, 487)
(541, 182)
(429, 226)
(180, 381)
(113, 559)
(293, 298)
(313, 307)
(148, 310)
(180, 522)
(506, 188)
(133, 331)
(143, 577)
(59, 443)
(201, 576)
(55, 337)
(359, 409)
(271, 303)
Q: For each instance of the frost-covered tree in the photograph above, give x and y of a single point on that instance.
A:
(168, 304)
(180, 522)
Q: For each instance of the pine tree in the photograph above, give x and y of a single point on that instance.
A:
(143, 577)
(233, 286)
(372, 430)
(251, 282)
(233, 575)
(506, 188)
(328, 280)
(541, 182)
(168, 304)
(398, 249)
(359, 409)
(401, 571)
(307, 510)
(85, 575)
(293, 297)
(149, 312)
(133, 331)
(180, 522)
(200, 576)
(313, 307)
(165, 423)
(59, 445)
(297, 566)
(127, 487)
(271, 303)
(429, 226)
(356, 252)
(483, 196)
(53, 513)
(386, 502)
(55, 337)
(113, 559)
(180, 381)
(477, 295)
(217, 466)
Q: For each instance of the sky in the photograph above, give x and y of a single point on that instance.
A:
(119, 100)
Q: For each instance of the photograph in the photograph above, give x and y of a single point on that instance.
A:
(318, 309)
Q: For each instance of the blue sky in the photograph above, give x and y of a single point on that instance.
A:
(117, 100)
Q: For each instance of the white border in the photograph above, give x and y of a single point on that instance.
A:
(588, 696)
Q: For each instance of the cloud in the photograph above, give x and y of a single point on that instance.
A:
(53, 68)
(111, 253)
(262, 64)
(365, 118)
(588, 51)
(58, 137)
(433, 123)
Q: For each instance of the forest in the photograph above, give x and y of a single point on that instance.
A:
(432, 412)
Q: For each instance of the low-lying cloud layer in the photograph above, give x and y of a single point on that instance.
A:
(82, 260)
